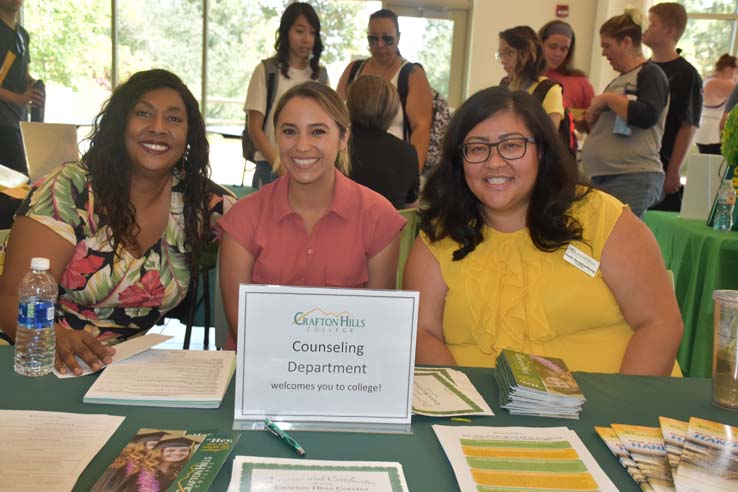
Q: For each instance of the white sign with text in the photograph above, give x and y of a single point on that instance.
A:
(319, 355)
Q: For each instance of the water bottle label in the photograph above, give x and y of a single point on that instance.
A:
(36, 315)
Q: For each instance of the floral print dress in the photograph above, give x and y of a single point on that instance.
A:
(113, 297)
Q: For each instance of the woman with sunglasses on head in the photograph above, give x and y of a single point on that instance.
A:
(415, 115)
(124, 228)
(517, 253)
(558, 41)
(297, 60)
(521, 56)
(313, 226)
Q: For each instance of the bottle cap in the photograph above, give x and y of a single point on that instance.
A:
(40, 263)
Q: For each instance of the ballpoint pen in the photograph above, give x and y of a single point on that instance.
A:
(272, 427)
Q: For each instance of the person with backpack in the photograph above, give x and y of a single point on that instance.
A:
(521, 55)
(558, 41)
(414, 118)
(297, 60)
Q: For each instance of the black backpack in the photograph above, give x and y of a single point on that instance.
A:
(441, 113)
(566, 126)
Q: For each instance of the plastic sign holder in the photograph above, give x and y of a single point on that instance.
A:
(325, 359)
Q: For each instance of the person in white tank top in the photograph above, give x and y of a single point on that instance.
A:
(383, 37)
(716, 90)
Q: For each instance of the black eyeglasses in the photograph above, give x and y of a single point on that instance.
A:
(508, 148)
(374, 40)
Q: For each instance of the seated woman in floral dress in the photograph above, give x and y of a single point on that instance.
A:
(124, 227)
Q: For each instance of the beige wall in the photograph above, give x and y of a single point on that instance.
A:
(489, 17)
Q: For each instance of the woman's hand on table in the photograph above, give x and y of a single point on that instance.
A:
(79, 343)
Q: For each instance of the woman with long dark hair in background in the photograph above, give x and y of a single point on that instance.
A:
(559, 41)
(297, 60)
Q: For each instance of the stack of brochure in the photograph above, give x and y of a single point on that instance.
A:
(168, 460)
(693, 456)
(166, 378)
(446, 392)
(536, 385)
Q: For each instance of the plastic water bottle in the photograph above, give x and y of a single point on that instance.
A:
(35, 340)
(724, 210)
(37, 112)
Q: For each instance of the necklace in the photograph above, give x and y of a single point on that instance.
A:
(386, 72)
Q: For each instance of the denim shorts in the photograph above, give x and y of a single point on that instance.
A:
(638, 190)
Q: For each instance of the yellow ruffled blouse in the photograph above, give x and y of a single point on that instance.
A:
(508, 294)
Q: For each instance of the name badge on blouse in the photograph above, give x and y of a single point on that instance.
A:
(581, 260)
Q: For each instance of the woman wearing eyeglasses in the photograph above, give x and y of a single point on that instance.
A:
(413, 119)
(521, 56)
(516, 253)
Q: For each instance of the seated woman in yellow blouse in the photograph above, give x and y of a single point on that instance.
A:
(516, 253)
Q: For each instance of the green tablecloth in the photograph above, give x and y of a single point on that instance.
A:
(610, 398)
(702, 261)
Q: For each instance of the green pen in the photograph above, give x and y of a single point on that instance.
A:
(272, 427)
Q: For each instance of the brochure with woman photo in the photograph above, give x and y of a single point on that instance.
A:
(163, 460)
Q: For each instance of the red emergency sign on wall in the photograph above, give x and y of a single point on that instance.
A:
(562, 11)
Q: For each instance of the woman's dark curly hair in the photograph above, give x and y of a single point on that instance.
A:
(531, 63)
(109, 164)
(451, 209)
(282, 45)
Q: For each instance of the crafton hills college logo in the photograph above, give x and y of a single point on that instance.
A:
(318, 320)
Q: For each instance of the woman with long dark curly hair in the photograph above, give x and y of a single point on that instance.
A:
(124, 228)
(516, 253)
(297, 60)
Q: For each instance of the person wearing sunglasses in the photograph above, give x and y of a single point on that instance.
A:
(16, 85)
(413, 119)
(516, 252)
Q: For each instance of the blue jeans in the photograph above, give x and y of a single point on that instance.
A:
(639, 190)
(262, 174)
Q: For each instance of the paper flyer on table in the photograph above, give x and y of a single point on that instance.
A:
(255, 474)
(521, 458)
(49, 450)
(647, 447)
(446, 392)
(616, 447)
(709, 458)
(123, 351)
(166, 378)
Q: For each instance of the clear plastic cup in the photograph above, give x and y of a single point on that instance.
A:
(725, 350)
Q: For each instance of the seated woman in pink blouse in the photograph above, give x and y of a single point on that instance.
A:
(313, 226)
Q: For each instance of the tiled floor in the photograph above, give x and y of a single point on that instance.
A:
(176, 329)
